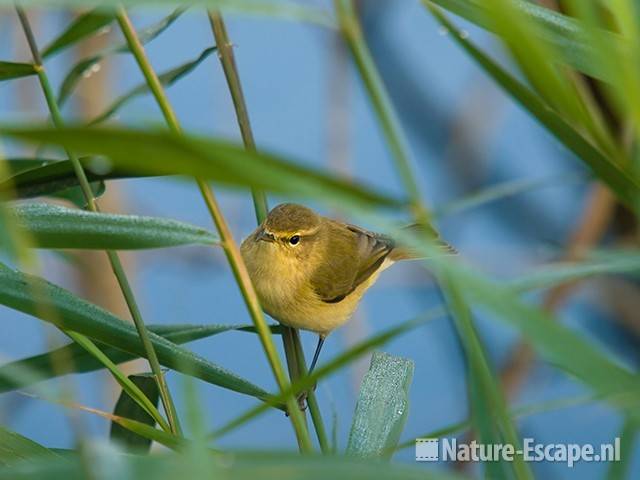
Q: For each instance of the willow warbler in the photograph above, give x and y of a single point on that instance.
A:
(310, 271)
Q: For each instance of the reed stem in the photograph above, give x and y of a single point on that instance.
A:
(290, 337)
(230, 247)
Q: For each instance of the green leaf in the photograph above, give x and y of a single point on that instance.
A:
(86, 24)
(126, 407)
(167, 78)
(53, 226)
(501, 191)
(382, 408)
(307, 382)
(14, 449)
(44, 366)
(489, 412)
(623, 183)
(18, 168)
(597, 263)
(9, 70)
(54, 177)
(568, 36)
(229, 466)
(85, 66)
(48, 302)
(554, 342)
(127, 385)
(166, 153)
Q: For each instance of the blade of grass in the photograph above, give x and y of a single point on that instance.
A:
(154, 153)
(306, 382)
(134, 392)
(66, 311)
(566, 34)
(14, 448)
(85, 25)
(11, 70)
(623, 183)
(56, 176)
(114, 260)
(490, 415)
(86, 66)
(167, 79)
(352, 33)
(42, 367)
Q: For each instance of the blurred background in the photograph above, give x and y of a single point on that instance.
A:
(306, 102)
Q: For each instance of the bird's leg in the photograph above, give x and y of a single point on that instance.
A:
(303, 395)
(317, 353)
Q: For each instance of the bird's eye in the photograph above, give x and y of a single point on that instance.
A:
(294, 240)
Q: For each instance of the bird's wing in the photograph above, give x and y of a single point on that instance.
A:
(356, 256)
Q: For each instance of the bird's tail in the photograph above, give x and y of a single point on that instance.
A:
(404, 252)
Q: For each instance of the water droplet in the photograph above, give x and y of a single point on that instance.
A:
(100, 165)
(464, 34)
(104, 30)
(443, 31)
(95, 68)
(87, 73)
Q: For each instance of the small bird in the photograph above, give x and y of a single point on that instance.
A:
(310, 272)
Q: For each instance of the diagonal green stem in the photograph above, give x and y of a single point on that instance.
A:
(114, 259)
(352, 33)
(290, 337)
(230, 247)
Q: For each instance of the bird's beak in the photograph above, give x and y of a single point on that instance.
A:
(266, 236)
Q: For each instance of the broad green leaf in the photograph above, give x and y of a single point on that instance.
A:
(44, 366)
(9, 70)
(53, 226)
(167, 78)
(14, 449)
(569, 36)
(37, 297)
(86, 66)
(263, 465)
(53, 178)
(623, 183)
(126, 407)
(86, 24)
(166, 153)
(382, 408)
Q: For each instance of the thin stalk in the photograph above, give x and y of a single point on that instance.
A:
(352, 34)
(230, 247)
(290, 338)
(312, 401)
(114, 259)
(227, 59)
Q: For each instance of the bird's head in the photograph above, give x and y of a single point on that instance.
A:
(289, 228)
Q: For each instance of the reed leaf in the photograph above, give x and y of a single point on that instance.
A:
(53, 226)
(155, 153)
